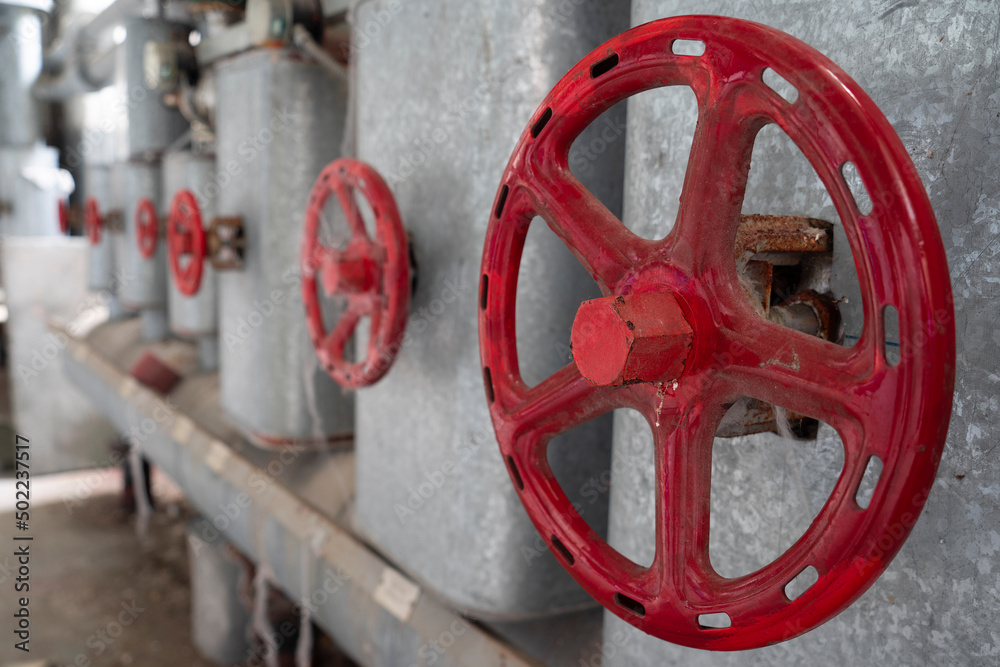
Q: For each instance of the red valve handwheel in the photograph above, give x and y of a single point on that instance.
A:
(186, 238)
(714, 346)
(63, 217)
(374, 274)
(147, 228)
(93, 223)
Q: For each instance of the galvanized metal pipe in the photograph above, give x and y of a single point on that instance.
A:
(934, 79)
(444, 90)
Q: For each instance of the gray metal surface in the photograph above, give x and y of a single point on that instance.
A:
(21, 54)
(42, 280)
(229, 41)
(146, 286)
(193, 315)
(219, 616)
(29, 185)
(148, 124)
(445, 88)
(284, 510)
(930, 68)
(101, 262)
(154, 324)
(271, 148)
(117, 180)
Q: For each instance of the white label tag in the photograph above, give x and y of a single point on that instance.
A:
(217, 456)
(397, 594)
(128, 387)
(182, 430)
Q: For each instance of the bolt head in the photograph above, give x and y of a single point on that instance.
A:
(631, 338)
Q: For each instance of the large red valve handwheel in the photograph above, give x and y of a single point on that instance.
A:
(675, 338)
(373, 274)
(186, 238)
(93, 223)
(63, 217)
(147, 227)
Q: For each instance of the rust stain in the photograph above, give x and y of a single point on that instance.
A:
(782, 233)
(226, 242)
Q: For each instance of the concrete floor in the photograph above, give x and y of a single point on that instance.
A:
(88, 567)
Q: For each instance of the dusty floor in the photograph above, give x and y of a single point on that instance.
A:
(90, 572)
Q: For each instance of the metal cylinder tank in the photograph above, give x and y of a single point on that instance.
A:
(444, 89)
(151, 125)
(30, 188)
(30, 183)
(117, 178)
(220, 619)
(269, 149)
(930, 68)
(192, 316)
(21, 46)
(144, 285)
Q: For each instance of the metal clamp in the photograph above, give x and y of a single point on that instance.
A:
(114, 220)
(226, 243)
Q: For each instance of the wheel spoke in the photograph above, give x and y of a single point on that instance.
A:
(602, 244)
(683, 485)
(715, 183)
(802, 373)
(336, 340)
(561, 402)
(349, 206)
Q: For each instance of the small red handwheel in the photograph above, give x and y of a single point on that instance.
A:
(373, 274)
(92, 220)
(675, 338)
(63, 217)
(147, 228)
(186, 242)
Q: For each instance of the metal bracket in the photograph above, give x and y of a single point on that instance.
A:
(114, 220)
(226, 243)
(784, 263)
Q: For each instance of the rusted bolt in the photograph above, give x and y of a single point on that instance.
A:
(632, 338)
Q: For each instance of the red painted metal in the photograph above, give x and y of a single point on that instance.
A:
(624, 339)
(898, 413)
(186, 238)
(147, 227)
(154, 373)
(92, 220)
(63, 217)
(372, 274)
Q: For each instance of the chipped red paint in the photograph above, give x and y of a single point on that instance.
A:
(186, 238)
(92, 221)
(63, 217)
(147, 227)
(373, 274)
